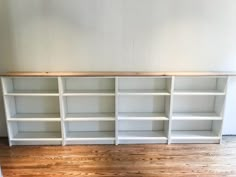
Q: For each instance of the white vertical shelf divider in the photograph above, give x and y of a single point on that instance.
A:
(62, 110)
(116, 111)
(7, 111)
(172, 84)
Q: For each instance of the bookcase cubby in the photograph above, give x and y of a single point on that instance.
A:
(70, 110)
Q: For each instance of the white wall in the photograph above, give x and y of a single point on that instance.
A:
(118, 35)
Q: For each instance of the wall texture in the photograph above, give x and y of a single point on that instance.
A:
(119, 35)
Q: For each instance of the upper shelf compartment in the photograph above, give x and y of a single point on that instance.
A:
(144, 85)
(27, 86)
(88, 86)
(200, 85)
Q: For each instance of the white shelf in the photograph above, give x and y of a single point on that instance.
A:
(89, 93)
(199, 92)
(90, 135)
(35, 117)
(37, 136)
(142, 116)
(90, 117)
(142, 135)
(182, 135)
(142, 92)
(196, 116)
(33, 93)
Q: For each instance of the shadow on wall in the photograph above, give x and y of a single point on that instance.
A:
(6, 56)
(6, 38)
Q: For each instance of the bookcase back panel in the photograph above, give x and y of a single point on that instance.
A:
(32, 84)
(192, 125)
(88, 83)
(143, 83)
(90, 104)
(144, 125)
(142, 103)
(38, 126)
(194, 104)
(37, 104)
(199, 83)
(90, 126)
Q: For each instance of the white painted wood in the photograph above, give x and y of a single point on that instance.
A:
(112, 111)
(199, 92)
(148, 104)
(142, 135)
(142, 85)
(7, 110)
(207, 84)
(90, 135)
(32, 86)
(32, 93)
(29, 116)
(230, 111)
(196, 116)
(220, 106)
(142, 116)
(90, 117)
(35, 131)
(142, 125)
(194, 104)
(89, 86)
(62, 109)
(116, 111)
(89, 93)
(169, 107)
(143, 92)
(89, 104)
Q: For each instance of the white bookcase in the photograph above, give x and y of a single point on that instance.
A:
(114, 110)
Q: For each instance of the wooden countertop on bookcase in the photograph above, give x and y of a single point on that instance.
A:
(123, 73)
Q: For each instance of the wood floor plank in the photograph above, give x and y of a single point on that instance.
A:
(210, 160)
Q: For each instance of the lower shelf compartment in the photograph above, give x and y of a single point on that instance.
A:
(139, 137)
(194, 137)
(90, 137)
(37, 138)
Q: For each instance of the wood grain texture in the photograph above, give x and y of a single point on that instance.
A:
(74, 74)
(123, 160)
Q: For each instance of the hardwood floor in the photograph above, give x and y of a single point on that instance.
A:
(123, 160)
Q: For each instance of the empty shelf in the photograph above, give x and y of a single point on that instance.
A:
(90, 116)
(196, 116)
(199, 92)
(35, 117)
(90, 135)
(37, 136)
(89, 93)
(143, 92)
(142, 135)
(142, 116)
(194, 135)
(33, 93)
